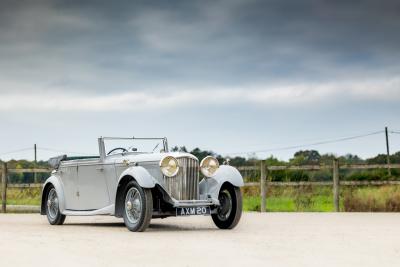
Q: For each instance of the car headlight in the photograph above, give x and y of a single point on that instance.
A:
(208, 166)
(169, 166)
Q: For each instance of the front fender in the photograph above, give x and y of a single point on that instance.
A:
(225, 173)
(56, 182)
(141, 175)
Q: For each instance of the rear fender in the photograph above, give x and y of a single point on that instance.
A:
(56, 182)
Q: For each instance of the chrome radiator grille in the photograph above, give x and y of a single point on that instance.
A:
(185, 185)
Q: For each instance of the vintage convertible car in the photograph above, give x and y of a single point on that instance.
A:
(139, 184)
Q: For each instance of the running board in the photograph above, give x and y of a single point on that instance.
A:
(109, 210)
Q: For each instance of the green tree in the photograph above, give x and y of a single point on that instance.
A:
(306, 157)
(179, 149)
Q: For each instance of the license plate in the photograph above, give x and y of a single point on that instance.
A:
(193, 211)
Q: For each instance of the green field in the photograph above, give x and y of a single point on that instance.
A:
(289, 199)
(23, 196)
(320, 199)
(288, 204)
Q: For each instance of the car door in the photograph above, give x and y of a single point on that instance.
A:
(69, 179)
(93, 190)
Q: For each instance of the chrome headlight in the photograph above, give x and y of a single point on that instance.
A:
(208, 166)
(169, 166)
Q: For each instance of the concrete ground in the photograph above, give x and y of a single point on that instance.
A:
(271, 239)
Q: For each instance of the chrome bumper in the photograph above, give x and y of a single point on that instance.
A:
(195, 203)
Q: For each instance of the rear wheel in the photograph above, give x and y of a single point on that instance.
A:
(53, 213)
(138, 207)
(230, 210)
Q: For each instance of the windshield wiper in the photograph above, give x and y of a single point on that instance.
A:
(156, 147)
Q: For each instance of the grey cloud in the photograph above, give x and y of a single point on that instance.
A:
(138, 45)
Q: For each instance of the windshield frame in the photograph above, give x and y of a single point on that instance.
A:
(102, 143)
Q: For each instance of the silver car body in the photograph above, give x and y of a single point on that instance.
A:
(91, 186)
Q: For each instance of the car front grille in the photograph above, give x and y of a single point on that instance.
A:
(185, 185)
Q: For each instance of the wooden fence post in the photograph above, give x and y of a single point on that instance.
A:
(4, 188)
(263, 186)
(35, 178)
(336, 184)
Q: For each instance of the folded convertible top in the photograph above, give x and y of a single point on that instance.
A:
(55, 161)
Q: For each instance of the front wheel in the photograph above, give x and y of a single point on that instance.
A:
(53, 213)
(138, 207)
(230, 210)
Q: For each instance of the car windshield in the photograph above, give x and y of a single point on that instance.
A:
(135, 145)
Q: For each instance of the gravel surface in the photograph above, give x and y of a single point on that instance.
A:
(270, 239)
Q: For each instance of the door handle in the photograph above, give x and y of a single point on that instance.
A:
(100, 169)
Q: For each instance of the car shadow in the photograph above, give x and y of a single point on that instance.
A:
(153, 227)
(96, 224)
(161, 227)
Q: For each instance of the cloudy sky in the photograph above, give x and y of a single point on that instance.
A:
(231, 76)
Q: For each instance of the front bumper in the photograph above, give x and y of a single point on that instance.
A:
(177, 204)
(195, 203)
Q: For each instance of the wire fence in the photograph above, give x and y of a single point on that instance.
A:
(331, 141)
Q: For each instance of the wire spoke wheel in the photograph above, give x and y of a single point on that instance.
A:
(133, 205)
(52, 203)
(137, 206)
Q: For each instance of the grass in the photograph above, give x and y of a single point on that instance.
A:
(290, 199)
(385, 198)
(288, 204)
(252, 203)
(23, 196)
(320, 199)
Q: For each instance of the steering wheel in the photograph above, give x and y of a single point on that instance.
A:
(115, 149)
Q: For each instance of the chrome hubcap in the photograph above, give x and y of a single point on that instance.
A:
(52, 204)
(129, 205)
(133, 205)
